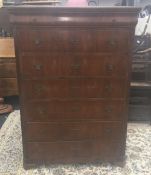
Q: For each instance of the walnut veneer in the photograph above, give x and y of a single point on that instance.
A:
(73, 71)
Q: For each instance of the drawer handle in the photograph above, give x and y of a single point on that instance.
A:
(109, 67)
(108, 88)
(108, 131)
(37, 41)
(76, 129)
(38, 66)
(108, 109)
(112, 43)
(74, 42)
(75, 109)
(76, 66)
(42, 111)
(39, 89)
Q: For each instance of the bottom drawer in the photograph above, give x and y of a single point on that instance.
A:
(74, 152)
(71, 131)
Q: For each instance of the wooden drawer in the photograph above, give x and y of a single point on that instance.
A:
(85, 109)
(71, 131)
(8, 68)
(40, 65)
(74, 88)
(8, 87)
(72, 40)
(74, 152)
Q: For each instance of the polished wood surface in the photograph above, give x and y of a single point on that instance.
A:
(72, 131)
(73, 71)
(87, 151)
(74, 87)
(75, 109)
(65, 40)
(69, 64)
(8, 87)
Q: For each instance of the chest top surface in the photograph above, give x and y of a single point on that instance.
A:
(74, 16)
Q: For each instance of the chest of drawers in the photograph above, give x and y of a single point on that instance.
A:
(73, 71)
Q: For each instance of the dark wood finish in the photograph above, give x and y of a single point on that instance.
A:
(8, 86)
(71, 131)
(65, 40)
(75, 109)
(76, 151)
(74, 87)
(49, 65)
(74, 72)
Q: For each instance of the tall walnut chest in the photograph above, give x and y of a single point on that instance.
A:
(73, 68)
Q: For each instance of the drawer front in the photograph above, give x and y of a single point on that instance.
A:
(8, 87)
(73, 40)
(74, 152)
(61, 110)
(71, 131)
(74, 88)
(8, 70)
(40, 65)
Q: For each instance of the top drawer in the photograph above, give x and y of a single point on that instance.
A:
(73, 40)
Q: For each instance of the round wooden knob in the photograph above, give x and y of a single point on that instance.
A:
(108, 109)
(41, 111)
(75, 109)
(108, 130)
(109, 67)
(39, 89)
(38, 66)
(108, 88)
(112, 43)
(76, 66)
(37, 41)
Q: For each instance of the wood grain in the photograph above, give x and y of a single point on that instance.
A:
(74, 74)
